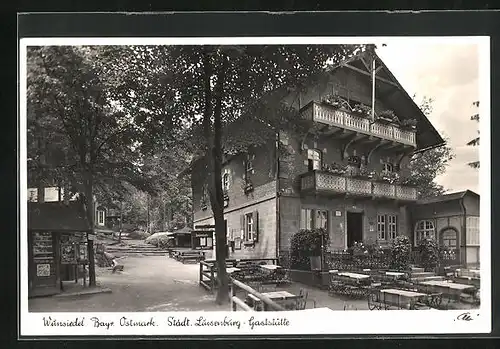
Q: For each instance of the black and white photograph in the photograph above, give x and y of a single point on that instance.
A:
(263, 185)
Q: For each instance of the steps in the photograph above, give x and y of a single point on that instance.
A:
(135, 249)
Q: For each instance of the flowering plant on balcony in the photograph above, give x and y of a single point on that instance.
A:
(335, 168)
(362, 110)
(333, 100)
(409, 124)
(388, 117)
(408, 181)
(387, 176)
(363, 173)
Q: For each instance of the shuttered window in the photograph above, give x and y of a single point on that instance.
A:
(250, 227)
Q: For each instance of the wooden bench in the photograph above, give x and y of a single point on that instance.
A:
(196, 256)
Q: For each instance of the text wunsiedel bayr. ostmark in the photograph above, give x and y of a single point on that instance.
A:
(204, 322)
(96, 322)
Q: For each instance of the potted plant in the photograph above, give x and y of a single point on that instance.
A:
(335, 168)
(332, 100)
(408, 124)
(387, 117)
(408, 181)
(363, 173)
(389, 177)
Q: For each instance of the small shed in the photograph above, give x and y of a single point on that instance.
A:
(57, 241)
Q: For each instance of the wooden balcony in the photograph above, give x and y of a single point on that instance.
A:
(318, 182)
(345, 120)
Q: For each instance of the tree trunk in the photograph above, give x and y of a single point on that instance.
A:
(89, 188)
(218, 208)
(121, 222)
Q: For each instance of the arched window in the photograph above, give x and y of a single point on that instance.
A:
(313, 159)
(424, 230)
(388, 167)
(449, 238)
(225, 182)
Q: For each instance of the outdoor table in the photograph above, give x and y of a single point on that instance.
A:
(232, 270)
(401, 298)
(396, 275)
(451, 289)
(355, 275)
(270, 267)
(274, 296)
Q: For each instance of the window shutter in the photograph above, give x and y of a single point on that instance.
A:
(396, 221)
(242, 225)
(256, 226)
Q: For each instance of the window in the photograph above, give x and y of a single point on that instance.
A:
(381, 227)
(449, 238)
(424, 230)
(249, 165)
(321, 220)
(250, 227)
(100, 217)
(225, 182)
(472, 231)
(388, 167)
(203, 242)
(392, 225)
(32, 194)
(313, 159)
(306, 218)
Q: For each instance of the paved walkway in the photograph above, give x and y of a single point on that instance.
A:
(148, 283)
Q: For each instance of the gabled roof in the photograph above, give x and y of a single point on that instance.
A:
(395, 96)
(57, 216)
(447, 197)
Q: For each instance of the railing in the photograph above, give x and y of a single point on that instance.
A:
(208, 270)
(344, 119)
(340, 260)
(238, 302)
(319, 181)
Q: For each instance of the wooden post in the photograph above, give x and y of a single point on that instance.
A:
(212, 278)
(232, 293)
(121, 222)
(201, 272)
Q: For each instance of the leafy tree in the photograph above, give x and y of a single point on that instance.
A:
(475, 141)
(76, 134)
(426, 166)
(208, 93)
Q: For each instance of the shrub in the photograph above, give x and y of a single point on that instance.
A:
(400, 253)
(139, 235)
(305, 244)
(429, 253)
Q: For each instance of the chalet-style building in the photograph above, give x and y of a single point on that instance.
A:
(348, 174)
(452, 219)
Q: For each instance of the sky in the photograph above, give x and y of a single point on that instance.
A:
(449, 74)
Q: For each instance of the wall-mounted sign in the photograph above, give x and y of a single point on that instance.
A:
(338, 213)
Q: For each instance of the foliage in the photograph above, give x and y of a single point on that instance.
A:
(475, 141)
(425, 167)
(388, 176)
(212, 96)
(139, 235)
(387, 115)
(408, 123)
(307, 243)
(362, 110)
(335, 168)
(400, 253)
(429, 253)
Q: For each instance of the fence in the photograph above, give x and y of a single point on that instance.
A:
(238, 302)
(340, 260)
(208, 269)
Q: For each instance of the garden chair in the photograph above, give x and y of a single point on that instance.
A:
(301, 302)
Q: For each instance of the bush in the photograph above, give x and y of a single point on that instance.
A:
(400, 253)
(305, 244)
(159, 239)
(429, 253)
(139, 235)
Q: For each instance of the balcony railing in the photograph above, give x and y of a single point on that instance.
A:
(328, 183)
(346, 120)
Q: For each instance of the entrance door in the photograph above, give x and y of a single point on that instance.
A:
(354, 228)
(449, 240)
